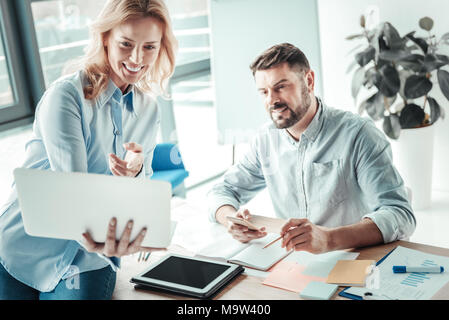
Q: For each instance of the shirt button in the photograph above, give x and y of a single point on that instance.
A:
(117, 132)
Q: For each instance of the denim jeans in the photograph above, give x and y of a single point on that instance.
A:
(92, 285)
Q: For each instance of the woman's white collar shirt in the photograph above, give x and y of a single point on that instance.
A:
(72, 134)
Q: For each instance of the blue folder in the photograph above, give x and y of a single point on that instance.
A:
(345, 294)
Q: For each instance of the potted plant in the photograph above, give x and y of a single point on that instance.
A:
(399, 74)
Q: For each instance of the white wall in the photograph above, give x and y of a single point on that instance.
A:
(338, 19)
(240, 31)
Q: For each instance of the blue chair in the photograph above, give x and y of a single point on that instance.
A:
(167, 165)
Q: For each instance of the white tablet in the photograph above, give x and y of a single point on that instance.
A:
(65, 205)
(190, 276)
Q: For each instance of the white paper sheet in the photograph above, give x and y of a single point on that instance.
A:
(408, 286)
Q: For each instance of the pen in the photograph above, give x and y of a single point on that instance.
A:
(428, 269)
(371, 296)
(269, 244)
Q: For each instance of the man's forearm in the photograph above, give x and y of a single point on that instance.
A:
(223, 212)
(362, 234)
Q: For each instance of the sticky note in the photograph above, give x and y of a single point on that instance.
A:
(316, 290)
(350, 272)
(288, 275)
(319, 268)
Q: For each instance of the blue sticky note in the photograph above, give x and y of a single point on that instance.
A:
(316, 290)
(319, 268)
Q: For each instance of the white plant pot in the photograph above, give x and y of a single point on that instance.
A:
(413, 157)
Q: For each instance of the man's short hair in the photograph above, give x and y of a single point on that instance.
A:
(280, 53)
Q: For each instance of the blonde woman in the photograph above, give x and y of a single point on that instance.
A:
(100, 119)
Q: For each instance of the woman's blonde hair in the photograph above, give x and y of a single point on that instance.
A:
(95, 61)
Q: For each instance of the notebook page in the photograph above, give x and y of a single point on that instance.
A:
(222, 247)
(255, 256)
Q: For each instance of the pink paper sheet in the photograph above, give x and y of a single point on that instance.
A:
(288, 275)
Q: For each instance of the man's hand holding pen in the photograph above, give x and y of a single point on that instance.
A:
(302, 235)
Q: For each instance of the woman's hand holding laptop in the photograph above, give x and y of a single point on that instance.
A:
(113, 248)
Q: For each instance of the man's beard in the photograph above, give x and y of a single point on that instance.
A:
(294, 117)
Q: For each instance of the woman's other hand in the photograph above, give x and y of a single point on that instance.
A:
(132, 164)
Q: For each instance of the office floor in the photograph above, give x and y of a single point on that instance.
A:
(432, 223)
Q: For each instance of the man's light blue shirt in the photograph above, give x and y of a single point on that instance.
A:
(73, 134)
(339, 172)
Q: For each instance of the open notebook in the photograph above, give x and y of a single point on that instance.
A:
(251, 255)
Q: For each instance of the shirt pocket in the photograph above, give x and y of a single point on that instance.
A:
(329, 183)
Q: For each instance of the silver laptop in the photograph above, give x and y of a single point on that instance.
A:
(65, 205)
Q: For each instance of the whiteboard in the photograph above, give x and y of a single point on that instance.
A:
(240, 31)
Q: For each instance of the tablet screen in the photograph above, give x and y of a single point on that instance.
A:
(188, 272)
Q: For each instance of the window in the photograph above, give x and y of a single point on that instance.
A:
(62, 32)
(191, 27)
(6, 93)
(15, 104)
(196, 127)
(192, 114)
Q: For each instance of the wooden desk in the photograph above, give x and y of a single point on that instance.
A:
(249, 287)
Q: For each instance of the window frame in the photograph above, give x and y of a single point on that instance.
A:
(21, 111)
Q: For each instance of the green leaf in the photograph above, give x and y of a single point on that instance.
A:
(412, 48)
(443, 81)
(357, 81)
(392, 126)
(364, 57)
(381, 63)
(411, 116)
(371, 77)
(383, 44)
(389, 82)
(371, 34)
(426, 23)
(412, 62)
(421, 42)
(443, 58)
(374, 106)
(392, 37)
(435, 110)
(394, 55)
(375, 35)
(417, 86)
(432, 62)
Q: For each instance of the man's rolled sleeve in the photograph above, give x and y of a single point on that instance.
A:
(382, 186)
(239, 185)
(218, 200)
(393, 225)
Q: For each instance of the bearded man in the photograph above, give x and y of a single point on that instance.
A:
(328, 172)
